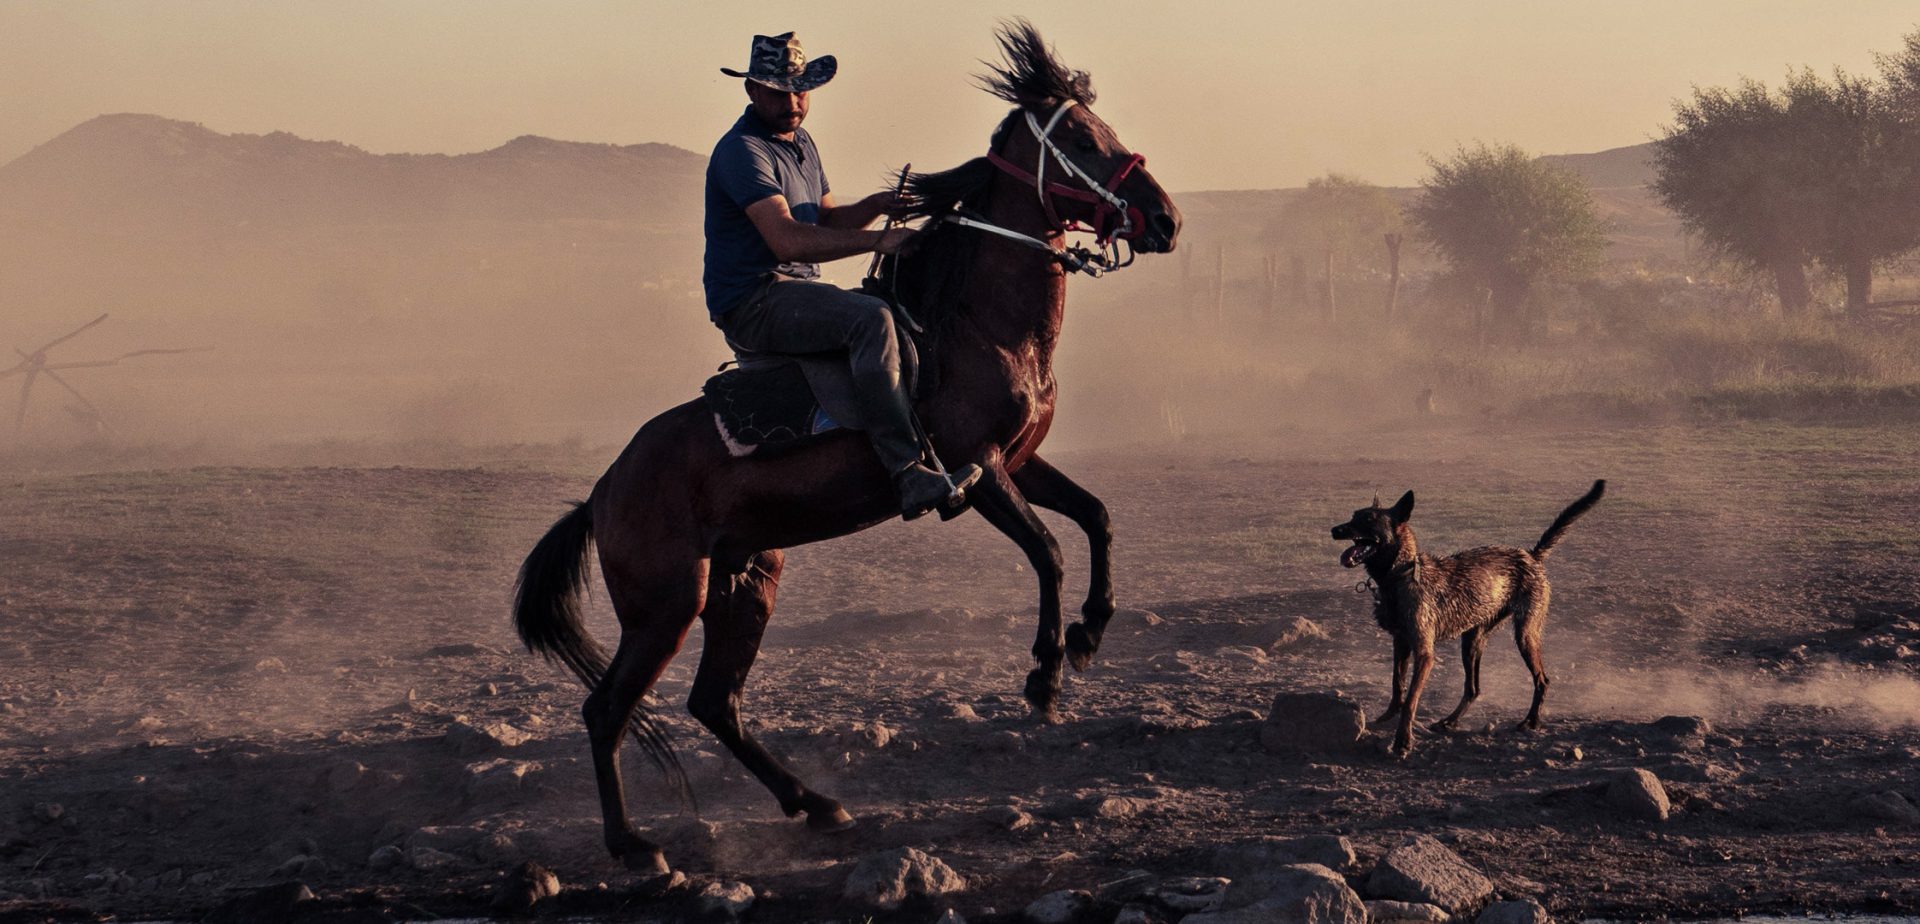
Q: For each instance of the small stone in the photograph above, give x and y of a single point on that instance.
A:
(1689, 726)
(499, 778)
(270, 665)
(1390, 912)
(1637, 794)
(1886, 806)
(1062, 907)
(302, 866)
(273, 903)
(386, 857)
(469, 739)
(886, 879)
(427, 858)
(959, 712)
(48, 811)
(726, 898)
(1132, 884)
(489, 689)
(1007, 817)
(1115, 808)
(1191, 894)
(1312, 722)
(1005, 742)
(1246, 858)
(1304, 893)
(950, 916)
(1421, 869)
(1134, 619)
(1134, 914)
(1525, 911)
(526, 886)
(1295, 630)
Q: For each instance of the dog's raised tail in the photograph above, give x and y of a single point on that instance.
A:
(1566, 518)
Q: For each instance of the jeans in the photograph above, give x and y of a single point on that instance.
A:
(799, 316)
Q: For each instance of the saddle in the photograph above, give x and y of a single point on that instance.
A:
(764, 402)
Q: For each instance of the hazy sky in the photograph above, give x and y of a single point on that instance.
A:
(1216, 94)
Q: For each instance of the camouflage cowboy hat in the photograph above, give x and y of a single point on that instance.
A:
(779, 62)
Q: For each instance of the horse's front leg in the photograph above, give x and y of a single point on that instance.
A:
(997, 499)
(1045, 486)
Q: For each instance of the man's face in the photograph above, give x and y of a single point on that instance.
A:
(781, 111)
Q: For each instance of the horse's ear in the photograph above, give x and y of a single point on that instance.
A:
(1402, 509)
(1376, 502)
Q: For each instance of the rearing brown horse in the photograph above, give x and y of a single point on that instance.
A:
(686, 530)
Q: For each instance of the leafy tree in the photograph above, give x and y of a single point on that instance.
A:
(1827, 170)
(1727, 168)
(1339, 222)
(1504, 222)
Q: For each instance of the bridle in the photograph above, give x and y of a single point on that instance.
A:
(1113, 219)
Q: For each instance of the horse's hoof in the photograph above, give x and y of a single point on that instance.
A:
(1080, 647)
(830, 821)
(647, 860)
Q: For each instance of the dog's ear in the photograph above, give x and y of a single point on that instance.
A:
(1402, 509)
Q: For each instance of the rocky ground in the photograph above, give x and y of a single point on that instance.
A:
(255, 693)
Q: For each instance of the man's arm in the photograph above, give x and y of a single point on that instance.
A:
(858, 215)
(798, 242)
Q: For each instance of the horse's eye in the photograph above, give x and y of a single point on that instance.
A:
(1084, 143)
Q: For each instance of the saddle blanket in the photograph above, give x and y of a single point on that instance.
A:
(756, 408)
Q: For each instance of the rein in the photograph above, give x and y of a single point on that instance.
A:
(1114, 220)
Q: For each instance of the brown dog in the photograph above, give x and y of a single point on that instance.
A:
(1422, 600)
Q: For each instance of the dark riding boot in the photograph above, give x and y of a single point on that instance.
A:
(923, 489)
(896, 440)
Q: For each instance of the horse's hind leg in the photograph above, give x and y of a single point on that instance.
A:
(1002, 504)
(738, 607)
(1045, 486)
(654, 618)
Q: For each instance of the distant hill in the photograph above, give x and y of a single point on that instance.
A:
(1616, 168)
(130, 171)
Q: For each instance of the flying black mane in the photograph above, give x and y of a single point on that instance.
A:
(1029, 76)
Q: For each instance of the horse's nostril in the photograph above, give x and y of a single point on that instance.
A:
(1164, 225)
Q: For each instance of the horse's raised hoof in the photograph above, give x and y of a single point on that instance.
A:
(1043, 692)
(1080, 647)
(829, 820)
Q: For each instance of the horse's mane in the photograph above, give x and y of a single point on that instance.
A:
(930, 281)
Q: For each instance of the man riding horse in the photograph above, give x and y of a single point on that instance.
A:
(771, 220)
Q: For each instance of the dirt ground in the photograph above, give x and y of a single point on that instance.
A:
(218, 678)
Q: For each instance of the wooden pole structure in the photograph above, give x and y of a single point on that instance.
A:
(1393, 276)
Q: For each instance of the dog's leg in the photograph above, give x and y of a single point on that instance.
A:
(1394, 705)
(1472, 644)
(1422, 665)
(1529, 623)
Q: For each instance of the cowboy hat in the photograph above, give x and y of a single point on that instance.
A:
(778, 62)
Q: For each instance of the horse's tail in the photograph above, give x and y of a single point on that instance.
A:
(546, 613)
(1566, 518)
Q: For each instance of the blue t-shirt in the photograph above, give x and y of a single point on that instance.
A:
(748, 165)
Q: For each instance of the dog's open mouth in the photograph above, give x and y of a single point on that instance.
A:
(1357, 553)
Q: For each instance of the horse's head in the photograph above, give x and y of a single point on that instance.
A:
(1080, 169)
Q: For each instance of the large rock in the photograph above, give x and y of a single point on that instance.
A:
(1065, 906)
(470, 739)
(1312, 722)
(1424, 870)
(730, 900)
(273, 903)
(526, 886)
(1246, 858)
(1637, 793)
(1391, 912)
(886, 879)
(1525, 911)
(1306, 893)
(1886, 806)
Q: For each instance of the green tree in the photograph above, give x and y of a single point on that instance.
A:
(1338, 222)
(1504, 222)
(1825, 170)
(1727, 168)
